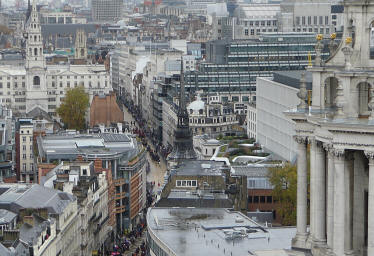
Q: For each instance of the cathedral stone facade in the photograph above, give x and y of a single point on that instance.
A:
(338, 128)
(44, 86)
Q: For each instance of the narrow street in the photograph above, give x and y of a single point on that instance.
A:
(157, 170)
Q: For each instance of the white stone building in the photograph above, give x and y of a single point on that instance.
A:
(252, 121)
(44, 86)
(317, 16)
(274, 130)
(27, 170)
(212, 119)
(91, 189)
(204, 146)
(339, 128)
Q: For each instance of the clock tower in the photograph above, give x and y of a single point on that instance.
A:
(36, 94)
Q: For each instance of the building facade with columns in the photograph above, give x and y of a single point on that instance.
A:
(339, 128)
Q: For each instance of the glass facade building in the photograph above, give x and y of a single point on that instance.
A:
(233, 67)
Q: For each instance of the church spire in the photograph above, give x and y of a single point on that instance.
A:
(28, 13)
(183, 145)
(34, 40)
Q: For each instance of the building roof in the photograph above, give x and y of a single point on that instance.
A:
(6, 216)
(255, 11)
(199, 168)
(292, 78)
(207, 231)
(6, 251)
(69, 146)
(250, 171)
(196, 105)
(14, 197)
(30, 233)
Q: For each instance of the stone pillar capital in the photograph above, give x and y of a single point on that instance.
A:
(370, 156)
(329, 148)
(300, 139)
(338, 153)
(311, 140)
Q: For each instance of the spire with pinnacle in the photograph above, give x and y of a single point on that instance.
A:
(183, 145)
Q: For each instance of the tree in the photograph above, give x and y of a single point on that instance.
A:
(284, 181)
(73, 109)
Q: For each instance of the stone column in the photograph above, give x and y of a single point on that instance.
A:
(320, 194)
(370, 156)
(302, 187)
(359, 187)
(348, 175)
(330, 197)
(312, 189)
(339, 202)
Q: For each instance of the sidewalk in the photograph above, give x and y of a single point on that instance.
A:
(137, 243)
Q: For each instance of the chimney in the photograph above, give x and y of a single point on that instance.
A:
(29, 220)
(98, 164)
(102, 128)
(119, 125)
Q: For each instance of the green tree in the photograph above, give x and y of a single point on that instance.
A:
(73, 109)
(284, 180)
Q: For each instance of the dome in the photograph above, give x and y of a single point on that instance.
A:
(196, 105)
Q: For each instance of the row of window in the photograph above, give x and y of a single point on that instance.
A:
(24, 156)
(260, 23)
(186, 183)
(260, 199)
(15, 77)
(24, 138)
(259, 183)
(24, 167)
(315, 30)
(15, 85)
(258, 31)
(24, 147)
(317, 20)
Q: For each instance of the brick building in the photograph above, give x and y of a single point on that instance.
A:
(105, 110)
(259, 196)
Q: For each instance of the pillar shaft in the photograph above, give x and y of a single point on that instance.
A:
(339, 203)
(312, 188)
(370, 155)
(300, 239)
(302, 186)
(330, 199)
(348, 169)
(320, 194)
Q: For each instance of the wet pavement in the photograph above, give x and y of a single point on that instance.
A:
(157, 170)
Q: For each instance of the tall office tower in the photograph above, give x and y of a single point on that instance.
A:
(106, 10)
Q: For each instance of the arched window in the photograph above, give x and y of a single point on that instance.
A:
(331, 84)
(371, 40)
(36, 51)
(35, 38)
(36, 81)
(363, 98)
